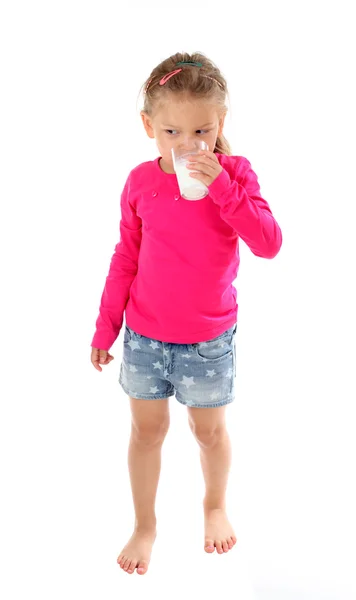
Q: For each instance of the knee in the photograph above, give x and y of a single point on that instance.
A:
(207, 436)
(149, 434)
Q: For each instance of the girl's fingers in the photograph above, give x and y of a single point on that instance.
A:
(211, 164)
(205, 154)
(203, 168)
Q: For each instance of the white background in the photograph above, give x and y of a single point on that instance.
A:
(70, 134)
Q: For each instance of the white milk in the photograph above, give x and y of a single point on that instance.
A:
(190, 188)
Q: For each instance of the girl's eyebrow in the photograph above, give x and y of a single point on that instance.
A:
(200, 126)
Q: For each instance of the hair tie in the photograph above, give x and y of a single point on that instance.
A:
(189, 62)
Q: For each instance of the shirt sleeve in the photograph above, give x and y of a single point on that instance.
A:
(242, 207)
(122, 272)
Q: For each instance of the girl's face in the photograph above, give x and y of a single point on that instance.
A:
(179, 122)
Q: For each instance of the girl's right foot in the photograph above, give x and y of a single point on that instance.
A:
(137, 552)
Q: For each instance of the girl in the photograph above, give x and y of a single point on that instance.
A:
(172, 273)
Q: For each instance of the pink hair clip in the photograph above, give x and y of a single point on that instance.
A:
(166, 77)
(169, 75)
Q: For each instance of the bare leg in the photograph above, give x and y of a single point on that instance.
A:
(148, 432)
(215, 458)
(208, 427)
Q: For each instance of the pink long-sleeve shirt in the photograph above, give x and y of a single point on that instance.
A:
(173, 268)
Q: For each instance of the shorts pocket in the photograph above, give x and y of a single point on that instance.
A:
(217, 348)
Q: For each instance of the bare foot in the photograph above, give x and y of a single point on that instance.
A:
(218, 531)
(137, 552)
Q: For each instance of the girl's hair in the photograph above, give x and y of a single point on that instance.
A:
(192, 82)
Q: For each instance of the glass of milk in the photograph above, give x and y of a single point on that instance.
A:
(189, 187)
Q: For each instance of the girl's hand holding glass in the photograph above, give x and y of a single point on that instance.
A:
(207, 164)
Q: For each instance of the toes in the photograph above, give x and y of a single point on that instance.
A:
(225, 546)
(234, 540)
(126, 564)
(209, 546)
(129, 565)
(132, 566)
(230, 543)
(142, 567)
(219, 548)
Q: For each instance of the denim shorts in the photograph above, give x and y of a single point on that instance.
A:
(201, 375)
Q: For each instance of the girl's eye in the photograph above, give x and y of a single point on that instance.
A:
(169, 130)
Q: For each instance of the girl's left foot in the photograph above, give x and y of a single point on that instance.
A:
(218, 532)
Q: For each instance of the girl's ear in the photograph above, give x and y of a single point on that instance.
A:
(147, 123)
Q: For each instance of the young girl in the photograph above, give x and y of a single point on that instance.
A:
(172, 273)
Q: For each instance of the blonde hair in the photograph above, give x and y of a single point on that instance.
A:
(192, 82)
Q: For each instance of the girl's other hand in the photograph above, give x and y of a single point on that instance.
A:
(100, 356)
